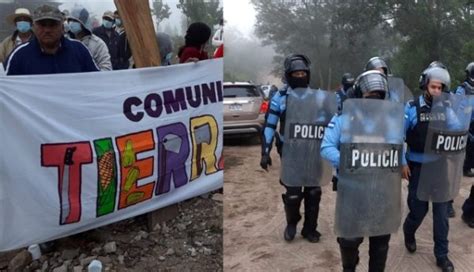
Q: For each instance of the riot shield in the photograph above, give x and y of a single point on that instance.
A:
(308, 112)
(398, 91)
(369, 188)
(445, 147)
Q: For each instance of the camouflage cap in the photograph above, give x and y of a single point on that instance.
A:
(109, 14)
(45, 12)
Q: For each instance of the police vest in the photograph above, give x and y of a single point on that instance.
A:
(468, 89)
(416, 136)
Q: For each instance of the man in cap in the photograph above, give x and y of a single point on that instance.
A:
(111, 38)
(49, 52)
(78, 22)
(22, 20)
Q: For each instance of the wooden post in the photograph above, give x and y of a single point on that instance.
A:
(136, 17)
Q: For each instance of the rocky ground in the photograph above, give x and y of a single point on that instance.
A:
(254, 221)
(190, 242)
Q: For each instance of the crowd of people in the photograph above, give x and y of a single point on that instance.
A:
(365, 132)
(48, 36)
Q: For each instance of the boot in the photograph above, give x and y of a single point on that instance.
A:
(378, 258)
(349, 254)
(468, 172)
(311, 212)
(445, 264)
(292, 211)
(469, 221)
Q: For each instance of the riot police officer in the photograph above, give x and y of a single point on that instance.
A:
(302, 113)
(451, 211)
(365, 143)
(377, 63)
(398, 91)
(342, 94)
(347, 82)
(467, 88)
(430, 119)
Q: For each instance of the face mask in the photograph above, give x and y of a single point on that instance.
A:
(23, 26)
(118, 22)
(298, 82)
(107, 24)
(347, 86)
(167, 60)
(75, 27)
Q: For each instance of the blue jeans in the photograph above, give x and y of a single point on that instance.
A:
(419, 209)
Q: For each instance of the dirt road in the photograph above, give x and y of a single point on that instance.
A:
(254, 223)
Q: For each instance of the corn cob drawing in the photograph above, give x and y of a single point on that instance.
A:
(135, 197)
(106, 169)
(131, 179)
(128, 156)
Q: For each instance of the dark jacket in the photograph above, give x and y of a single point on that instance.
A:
(29, 59)
(112, 43)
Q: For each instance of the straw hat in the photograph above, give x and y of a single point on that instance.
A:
(19, 12)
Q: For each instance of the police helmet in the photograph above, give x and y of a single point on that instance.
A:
(436, 73)
(347, 79)
(375, 63)
(470, 73)
(422, 81)
(296, 62)
(371, 81)
(438, 64)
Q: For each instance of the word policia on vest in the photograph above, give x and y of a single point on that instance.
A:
(387, 158)
(306, 131)
(449, 143)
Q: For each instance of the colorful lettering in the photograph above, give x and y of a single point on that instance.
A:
(173, 151)
(132, 169)
(106, 176)
(68, 158)
(204, 135)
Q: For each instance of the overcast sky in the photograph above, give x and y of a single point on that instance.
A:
(240, 15)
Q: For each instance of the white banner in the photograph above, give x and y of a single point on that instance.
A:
(79, 151)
